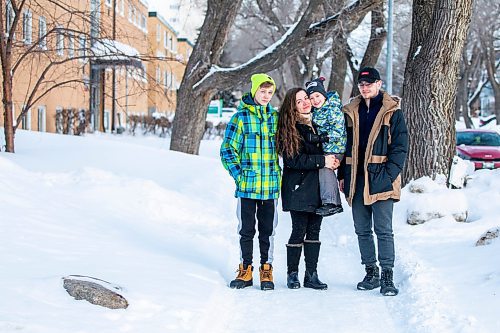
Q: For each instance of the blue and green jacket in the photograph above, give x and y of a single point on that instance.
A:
(248, 151)
(330, 120)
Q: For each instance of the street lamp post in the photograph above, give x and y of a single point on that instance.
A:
(389, 46)
(113, 92)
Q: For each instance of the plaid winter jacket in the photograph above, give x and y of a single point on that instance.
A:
(330, 120)
(248, 151)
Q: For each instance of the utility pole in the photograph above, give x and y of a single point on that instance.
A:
(113, 76)
(389, 46)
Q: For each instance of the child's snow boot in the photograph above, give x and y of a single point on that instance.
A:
(266, 277)
(244, 278)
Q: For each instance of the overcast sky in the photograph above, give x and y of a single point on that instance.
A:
(190, 18)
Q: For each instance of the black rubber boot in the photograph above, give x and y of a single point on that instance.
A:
(329, 210)
(311, 254)
(293, 252)
(311, 280)
(387, 287)
(371, 280)
(292, 280)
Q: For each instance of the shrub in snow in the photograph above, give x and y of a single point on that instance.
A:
(94, 293)
(429, 200)
(488, 236)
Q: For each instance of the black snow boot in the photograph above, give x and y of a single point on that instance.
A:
(311, 280)
(293, 252)
(329, 210)
(292, 280)
(387, 287)
(311, 254)
(371, 280)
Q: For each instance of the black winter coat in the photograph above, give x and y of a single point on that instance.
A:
(385, 154)
(300, 182)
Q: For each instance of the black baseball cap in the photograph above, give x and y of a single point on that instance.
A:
(368, 74)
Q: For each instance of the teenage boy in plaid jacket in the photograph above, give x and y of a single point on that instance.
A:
(248, 152)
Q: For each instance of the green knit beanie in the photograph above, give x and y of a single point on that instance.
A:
(258, 80)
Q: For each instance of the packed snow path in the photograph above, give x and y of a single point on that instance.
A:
(162, 225)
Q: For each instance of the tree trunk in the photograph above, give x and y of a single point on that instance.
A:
(375, 44)
(492, 64)
(463, 87)
(339, 65)
(191, 110)
(430, 84)
(497, 103)
(6, 56)
(8, 118)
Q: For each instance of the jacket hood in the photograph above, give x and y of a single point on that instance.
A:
(247, 102)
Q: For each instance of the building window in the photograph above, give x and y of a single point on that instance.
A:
(143, 22)
(158, 75)
(122, 7)
(170, 82)
(60, 41)
(41, 119)
(27, 27)
(165, 81)
(95, 15)
(106, 121)
(26, 120)
(108, 3)
(42, 33)
(171, 43)
(165, 39)
(9, 17)
(82, 48)
(71, 45)
(158, 33)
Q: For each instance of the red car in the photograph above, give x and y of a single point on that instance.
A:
(479, 146)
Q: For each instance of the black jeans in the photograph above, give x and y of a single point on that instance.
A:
(265, 211)
(305, 225)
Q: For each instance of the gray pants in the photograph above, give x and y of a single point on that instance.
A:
(329, 186)
(379, 217)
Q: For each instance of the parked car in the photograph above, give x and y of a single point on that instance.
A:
(482, 147)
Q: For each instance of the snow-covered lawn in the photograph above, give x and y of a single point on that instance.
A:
(162, 225)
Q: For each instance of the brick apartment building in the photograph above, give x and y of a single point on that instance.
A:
(119, 61)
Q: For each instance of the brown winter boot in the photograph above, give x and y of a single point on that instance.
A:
(266, 277)
(244, 278)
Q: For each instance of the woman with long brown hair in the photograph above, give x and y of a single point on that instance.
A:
(300, 146)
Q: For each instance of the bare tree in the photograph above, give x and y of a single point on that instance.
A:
(490, 44)
(430, 84)
(470, 70)
(478, 65)
(57, 56)
(375, 44)
(204, 76)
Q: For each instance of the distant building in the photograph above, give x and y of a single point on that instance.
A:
(170, 56)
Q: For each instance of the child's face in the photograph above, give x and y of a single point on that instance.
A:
(317, 99)
(263, 95)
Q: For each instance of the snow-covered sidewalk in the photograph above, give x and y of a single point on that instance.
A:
(162, 225)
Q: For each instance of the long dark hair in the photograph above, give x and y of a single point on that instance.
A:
(288, 139)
